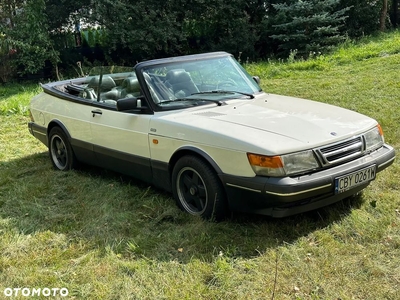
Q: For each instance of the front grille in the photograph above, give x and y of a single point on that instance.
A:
(340, 152)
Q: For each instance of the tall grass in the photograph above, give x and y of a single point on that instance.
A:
(380, 45)
(14, 98)
(105, 236)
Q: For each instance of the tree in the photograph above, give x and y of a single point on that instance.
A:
(364, 16)
(155, 28)
(8, 10)
(223, 25)
(6, 53)
(67, 12)
(140, 29)
(383, 15)
(37, 31)
(307, 26)
(395, 12)
(29, 36)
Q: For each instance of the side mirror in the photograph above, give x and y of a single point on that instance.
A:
(127, 104)
(257, 79)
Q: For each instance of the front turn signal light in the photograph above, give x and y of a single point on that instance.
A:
(266, 165)
(265, 161)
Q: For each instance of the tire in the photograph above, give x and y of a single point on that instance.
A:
(60, 151)
(197, 189)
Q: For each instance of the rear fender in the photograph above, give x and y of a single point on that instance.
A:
(57, 123)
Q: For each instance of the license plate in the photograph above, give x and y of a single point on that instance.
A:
(349, 181)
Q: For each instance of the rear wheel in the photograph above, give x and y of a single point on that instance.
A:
(197, 188)
(61, 154)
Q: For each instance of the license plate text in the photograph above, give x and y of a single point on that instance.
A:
(349, 181)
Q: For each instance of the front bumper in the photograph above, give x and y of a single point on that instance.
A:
(281, 197)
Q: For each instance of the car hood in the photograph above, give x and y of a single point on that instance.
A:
(270, 124)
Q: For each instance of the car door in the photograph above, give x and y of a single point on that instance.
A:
(120, 141)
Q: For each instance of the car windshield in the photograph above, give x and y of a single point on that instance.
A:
(182, 84)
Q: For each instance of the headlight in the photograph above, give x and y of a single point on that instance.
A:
(283, 165)
(299, 162)
(374, 138)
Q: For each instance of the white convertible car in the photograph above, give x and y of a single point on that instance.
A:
(200, 127)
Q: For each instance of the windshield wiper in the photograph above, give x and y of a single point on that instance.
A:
(218, 102)
(224, 92)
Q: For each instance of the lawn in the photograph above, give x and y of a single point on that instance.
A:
(105, 236)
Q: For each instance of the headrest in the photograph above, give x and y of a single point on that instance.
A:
(107, 83)
(131, 85)
(178, 76)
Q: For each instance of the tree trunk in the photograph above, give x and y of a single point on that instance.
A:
(395, 12)
(382, 19)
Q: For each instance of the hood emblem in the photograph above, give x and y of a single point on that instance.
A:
(333, 133)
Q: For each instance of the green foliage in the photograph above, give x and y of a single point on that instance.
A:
(43, 31)
(378, 46)
(308, 26)
(14, 98)
(6, 52)
(363, 17)
(68, 12)
(31, 38)
(91, 38)
(146, 29)
(222, 25)
(180, 27)
(8, 9)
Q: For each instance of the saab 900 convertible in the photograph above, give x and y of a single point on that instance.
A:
(200, 126)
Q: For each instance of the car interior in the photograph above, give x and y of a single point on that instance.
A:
(106, 89)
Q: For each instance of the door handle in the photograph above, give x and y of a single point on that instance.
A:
(96, 112)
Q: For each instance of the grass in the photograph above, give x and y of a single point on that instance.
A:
(14, 99)
(105, 236)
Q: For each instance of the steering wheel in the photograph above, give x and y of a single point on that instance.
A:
(227, 83)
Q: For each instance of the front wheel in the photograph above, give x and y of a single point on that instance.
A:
(61, 154)
(197, 189)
